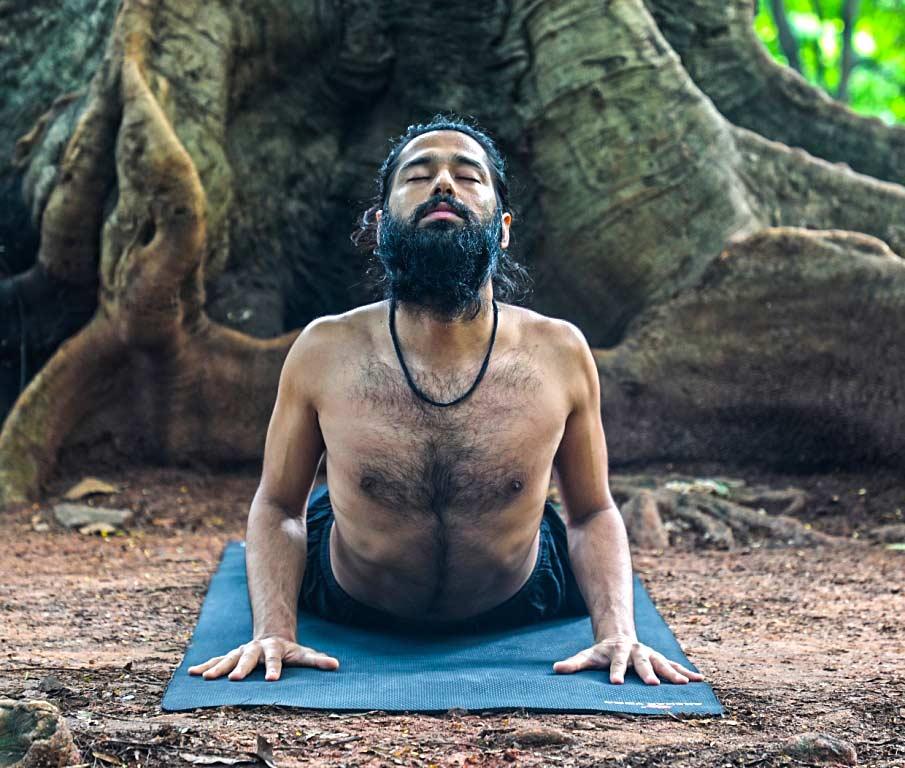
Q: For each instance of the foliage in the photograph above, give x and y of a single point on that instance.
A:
(877, 80)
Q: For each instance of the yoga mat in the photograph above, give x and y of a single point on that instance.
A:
(502, 669)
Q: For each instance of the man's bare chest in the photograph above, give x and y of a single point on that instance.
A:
(468, 460)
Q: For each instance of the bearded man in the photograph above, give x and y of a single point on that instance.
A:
(441, 415)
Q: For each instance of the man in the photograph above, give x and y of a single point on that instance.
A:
(441, 415)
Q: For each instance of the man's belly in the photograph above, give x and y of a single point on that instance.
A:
(434, 578)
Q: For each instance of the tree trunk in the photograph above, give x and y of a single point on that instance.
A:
(787, 40)
(849, 19)
(194, 203)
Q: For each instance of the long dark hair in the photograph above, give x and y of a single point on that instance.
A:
(511, 281)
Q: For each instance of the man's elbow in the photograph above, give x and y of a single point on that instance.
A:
(609, 513)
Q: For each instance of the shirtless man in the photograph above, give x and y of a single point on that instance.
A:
(441, 414)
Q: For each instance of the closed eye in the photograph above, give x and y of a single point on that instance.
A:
(417, 178)
(467, 178)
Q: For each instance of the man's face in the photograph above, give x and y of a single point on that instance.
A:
(441, 230)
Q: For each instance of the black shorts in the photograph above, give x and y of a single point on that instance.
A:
(550, 592)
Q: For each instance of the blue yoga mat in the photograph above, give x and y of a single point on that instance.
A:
(504, 669)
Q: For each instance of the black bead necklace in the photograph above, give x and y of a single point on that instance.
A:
(408, 376)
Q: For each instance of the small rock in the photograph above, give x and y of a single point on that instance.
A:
(820, 748)
(51, 684)
(535, 736)
(78, 515)
(89, 486)
(35, 735)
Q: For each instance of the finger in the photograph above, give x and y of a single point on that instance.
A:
(224, 665)
(665, 668)
(618, 666)
(302, 656)
(247, 662)
(645, 670)
(273, 663)
(197, 669)
(696, 676)
(590, 658)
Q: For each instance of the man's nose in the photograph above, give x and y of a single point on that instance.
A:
(443, 184)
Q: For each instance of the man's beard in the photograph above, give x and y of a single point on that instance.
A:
(441, 267)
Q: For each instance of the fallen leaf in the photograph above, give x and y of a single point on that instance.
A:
(105, 758)
(215, 759)
(104, 529)
(39, 525)
(88, 486)
(700, 485)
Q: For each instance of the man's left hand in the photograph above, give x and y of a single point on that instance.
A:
(619, 653)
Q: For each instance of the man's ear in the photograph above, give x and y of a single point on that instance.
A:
(504, 228)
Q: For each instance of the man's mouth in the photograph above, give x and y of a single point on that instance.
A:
(435, 215)
(441, 212)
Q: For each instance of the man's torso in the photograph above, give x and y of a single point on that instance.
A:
(436, 509)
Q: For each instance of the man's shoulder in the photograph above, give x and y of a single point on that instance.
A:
(565, 349)
(556, 334)
(342, 333)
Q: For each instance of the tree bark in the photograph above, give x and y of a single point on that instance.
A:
(195, 201)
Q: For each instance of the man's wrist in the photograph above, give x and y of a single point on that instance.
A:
(609, 629)
(628, 637)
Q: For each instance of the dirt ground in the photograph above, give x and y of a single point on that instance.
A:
(792, 640)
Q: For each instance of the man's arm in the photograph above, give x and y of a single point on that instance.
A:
(276, 534)
(598, 544)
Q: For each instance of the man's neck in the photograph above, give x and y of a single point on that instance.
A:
(431, 342)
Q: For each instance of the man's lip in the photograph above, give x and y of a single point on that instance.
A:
(440, 214)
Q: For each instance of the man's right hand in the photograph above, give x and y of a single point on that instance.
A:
(274, 651)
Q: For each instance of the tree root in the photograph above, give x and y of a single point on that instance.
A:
(720, 49)
(150, 372)
(725, 514)
(788, 353)
(798, 190)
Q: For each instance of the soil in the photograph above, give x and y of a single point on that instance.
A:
(792, 640)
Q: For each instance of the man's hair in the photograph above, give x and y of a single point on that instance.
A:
(511, 279)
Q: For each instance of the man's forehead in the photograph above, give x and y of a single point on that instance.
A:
(443, 143)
